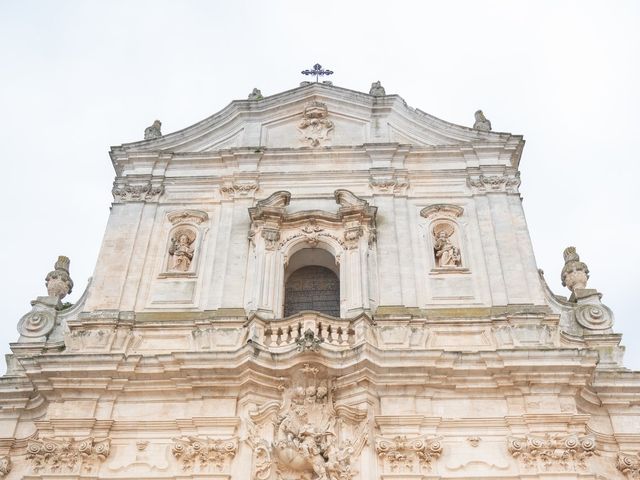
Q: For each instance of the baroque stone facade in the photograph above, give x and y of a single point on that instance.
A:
(321, 284)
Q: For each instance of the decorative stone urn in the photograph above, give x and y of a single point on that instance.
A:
(58, 281)
(575, 273)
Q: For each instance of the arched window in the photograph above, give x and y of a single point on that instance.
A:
(312, 283)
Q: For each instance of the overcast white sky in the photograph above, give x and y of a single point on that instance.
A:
(79, 76)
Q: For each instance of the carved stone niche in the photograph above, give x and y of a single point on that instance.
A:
(275, 235)
(306, 436)
(184, 243)
(443, 238)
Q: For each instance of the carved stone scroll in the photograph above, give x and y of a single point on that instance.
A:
(67, 455)
(204, 452)
(559, 451)
(629, 464)
(408, 455)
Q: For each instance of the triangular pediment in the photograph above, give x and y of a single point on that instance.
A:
(315, 116)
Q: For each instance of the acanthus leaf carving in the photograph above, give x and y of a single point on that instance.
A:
(408, 455)
(495, 183)
(194, 452)
(67, 455)
(629, 464)
(566, 452)
(136, 192)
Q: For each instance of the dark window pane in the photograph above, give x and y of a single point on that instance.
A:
(312, 288)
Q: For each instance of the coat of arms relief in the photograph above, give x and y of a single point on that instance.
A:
(306, 436)
(315, 125)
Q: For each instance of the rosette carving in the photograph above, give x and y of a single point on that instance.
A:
(402, 454)
(56, 456)
(567, 452)
(629, 464)
(204, 452)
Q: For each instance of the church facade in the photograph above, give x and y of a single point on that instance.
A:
(321, 284)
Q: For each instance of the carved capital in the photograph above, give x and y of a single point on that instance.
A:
(204, 452)
(67, 455)
(408, 455)
(125, 191)
(629, 464)
(559, 451)
(494, 183)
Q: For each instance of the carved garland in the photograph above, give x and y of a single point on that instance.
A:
(192, 451)
(496, 183)
(559, 450)
(129, 192)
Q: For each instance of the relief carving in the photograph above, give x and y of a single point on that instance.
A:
(408, 455)
(128, 192)
(188, 216)
(566, 452)
(201, 453)
(5, 466)
(181, 250)
(629, 464)
(308, 436)
(237, 189)
(495, 183)
(315, 127)
(68, 455)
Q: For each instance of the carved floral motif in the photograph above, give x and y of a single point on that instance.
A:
(52, 455)
(495, 183)
(568, 452)
(315, 127)
(204, 452)
(629, 465)
(402, 454)
(137, 193)
(311, 438)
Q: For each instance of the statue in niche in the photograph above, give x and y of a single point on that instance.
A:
(153, 131)
(181, 251)
(446, 253)
(482, 122)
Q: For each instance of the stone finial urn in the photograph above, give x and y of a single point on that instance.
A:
(575, 273)
(58, 281)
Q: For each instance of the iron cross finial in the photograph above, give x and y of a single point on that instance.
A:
(318, 71)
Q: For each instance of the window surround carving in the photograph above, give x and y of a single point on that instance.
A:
(276, 236)
(444, 219)
(190, 224)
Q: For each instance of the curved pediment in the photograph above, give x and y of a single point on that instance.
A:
(315, 116)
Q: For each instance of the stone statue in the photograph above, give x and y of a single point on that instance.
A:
(153, 131)
(482, 123)
(58, 281)
(377, 90)
(255, 94)
(181, 251)
(447, 254)
(574, 273)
